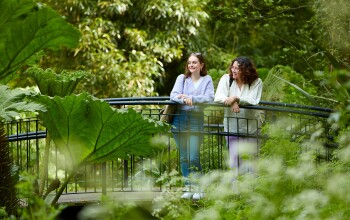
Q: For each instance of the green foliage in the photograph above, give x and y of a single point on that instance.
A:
(281, 147)
(169, 206)
(263, 72)
(36, 208)
(170, 179)
(331, 22)
(155, 167)
(242, 27)
(130, 44)
(26, 29)
(287, 183)
(14, 101)
(127, 44)
(52, 84)
(3, 214)
(338, 85)
(307, 36)
(283, 84)
(216, 74)
(86, 129)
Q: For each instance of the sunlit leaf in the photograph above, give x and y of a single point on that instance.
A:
(27, 28)
(52, 84)
(13, 101)
(86, 129)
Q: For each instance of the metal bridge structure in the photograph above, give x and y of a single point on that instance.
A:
(27, 138)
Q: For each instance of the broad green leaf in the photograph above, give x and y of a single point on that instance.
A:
(52, 84)
(13, 101)
(86, 129)
(27, 28)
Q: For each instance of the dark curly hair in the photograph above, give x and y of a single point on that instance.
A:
(247, 68)
(201, 60)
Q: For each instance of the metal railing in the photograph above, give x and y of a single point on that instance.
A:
(26, 138)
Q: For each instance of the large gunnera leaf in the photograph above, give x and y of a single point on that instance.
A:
(14, 101)
(27, 28)
(51, 83)
(86, 129)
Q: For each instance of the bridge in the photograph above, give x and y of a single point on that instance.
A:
(137, 178)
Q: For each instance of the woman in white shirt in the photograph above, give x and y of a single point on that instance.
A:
(241, 86)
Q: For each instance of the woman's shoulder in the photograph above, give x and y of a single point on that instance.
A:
(181, 77)
(225, 76)
(207, 77)
(257, 81)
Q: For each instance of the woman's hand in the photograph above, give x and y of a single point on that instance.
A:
(231, 99)
(182, 96)
(188, 101)
(235, 107)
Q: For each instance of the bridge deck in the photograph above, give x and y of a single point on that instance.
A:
(122, 196)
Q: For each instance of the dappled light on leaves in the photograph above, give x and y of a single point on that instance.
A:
(90, 130)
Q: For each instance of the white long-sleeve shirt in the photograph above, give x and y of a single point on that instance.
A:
(247, 120)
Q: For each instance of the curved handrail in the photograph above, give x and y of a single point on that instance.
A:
(167, 98)
(315, 111)
(286, 107)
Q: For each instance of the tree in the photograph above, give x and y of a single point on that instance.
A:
(331, 31)
(307, 36)
(267, 31)
(127, 44)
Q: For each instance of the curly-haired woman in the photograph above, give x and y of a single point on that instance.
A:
(241, 86)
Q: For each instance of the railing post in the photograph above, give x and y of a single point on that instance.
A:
(104, 179)
(126, 174)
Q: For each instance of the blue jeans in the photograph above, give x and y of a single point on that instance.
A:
(188, 137)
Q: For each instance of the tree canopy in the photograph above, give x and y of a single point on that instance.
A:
(126, 44)
(135, 48)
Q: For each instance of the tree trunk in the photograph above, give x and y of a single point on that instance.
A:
(8, 176)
